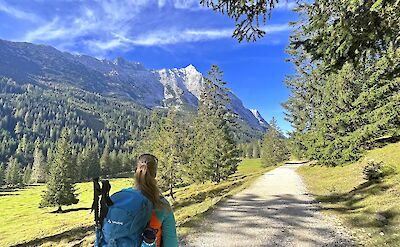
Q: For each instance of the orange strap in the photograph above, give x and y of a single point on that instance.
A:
(156, 224)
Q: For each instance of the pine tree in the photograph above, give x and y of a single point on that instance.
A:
(215, 153)
(74, 169)
(150, 133)
(2, 174)
(127, 163)
(116, 163)
(13, 172)
(26, 179)
(49, 158)
(93, 161)
(60, 188)
(19, 128)
(256, 150)
(23, 149)
(249, 16)
(345, 92)
(82, 164)
(274, 148)
(105, 163)
(39, 168)
(249, 150)
(170, 148)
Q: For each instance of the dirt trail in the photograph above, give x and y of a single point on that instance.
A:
(274, 211)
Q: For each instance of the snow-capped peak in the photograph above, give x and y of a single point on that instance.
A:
(260, 119)
(191, 68)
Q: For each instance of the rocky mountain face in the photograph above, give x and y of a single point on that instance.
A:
(40, 64)
(260, 119)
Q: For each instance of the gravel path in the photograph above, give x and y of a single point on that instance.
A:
(274, 211)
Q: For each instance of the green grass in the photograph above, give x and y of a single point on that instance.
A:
(370, 210)
(24, 222)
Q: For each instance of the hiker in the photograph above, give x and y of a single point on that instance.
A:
(162, 216)
(135, 216)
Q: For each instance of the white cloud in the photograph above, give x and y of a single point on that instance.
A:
(98, 21)
(169, 37)
(173, 36)
(181, 4)
(166, 37)
(287, 5)
(162, 3)
(17, 13)
(187, 4)
(277, 28)
(112, 24)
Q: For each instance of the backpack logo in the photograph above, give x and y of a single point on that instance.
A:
(116, 222)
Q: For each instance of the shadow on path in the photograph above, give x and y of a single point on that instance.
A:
(283, 216)
(275, 211)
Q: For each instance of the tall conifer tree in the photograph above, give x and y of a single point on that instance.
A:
(93, 161)
(39, 167)
(274, 149)
(215, 154)
(60, 188)
(13, 172)
(26, 179)
(2, 174)
(171, 149)
(105, 162)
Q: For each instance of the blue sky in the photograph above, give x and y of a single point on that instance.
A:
(162, 34)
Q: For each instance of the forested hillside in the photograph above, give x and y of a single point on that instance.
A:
(32, 117)
(345, 94)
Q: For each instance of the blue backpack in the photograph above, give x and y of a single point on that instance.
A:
(123, 216)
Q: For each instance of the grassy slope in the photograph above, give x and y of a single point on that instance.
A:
(24, 222)
(343, 192)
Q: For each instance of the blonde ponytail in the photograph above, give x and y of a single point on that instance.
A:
(146, 171)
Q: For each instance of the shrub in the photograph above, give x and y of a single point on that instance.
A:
(374, 171)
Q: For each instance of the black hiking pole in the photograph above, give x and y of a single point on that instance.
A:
(95, 204)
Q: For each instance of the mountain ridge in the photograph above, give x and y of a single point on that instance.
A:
(31, 63)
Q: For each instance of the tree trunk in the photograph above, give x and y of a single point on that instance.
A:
(171, 192)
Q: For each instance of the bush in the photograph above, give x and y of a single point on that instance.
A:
(374, 171)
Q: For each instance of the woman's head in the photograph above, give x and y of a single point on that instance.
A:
(145, 175)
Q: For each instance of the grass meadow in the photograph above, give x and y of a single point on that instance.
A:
(26, 224)
(370, 210)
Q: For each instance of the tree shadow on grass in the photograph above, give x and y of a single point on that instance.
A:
(8, 189)
(69, 210)
(17, 188)
(9, 194)
(356, 195)
(68, 235)
(348, 203)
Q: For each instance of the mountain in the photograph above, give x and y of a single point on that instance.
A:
(260, 119)
(43, 65)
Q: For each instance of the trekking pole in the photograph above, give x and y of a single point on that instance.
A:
(105, 200)
(95, 204)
